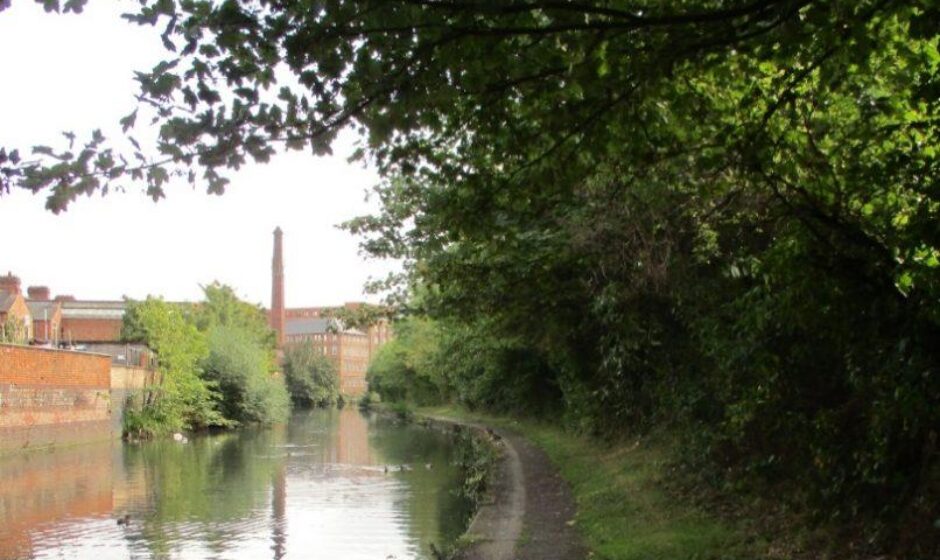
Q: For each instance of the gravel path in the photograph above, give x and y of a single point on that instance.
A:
(531, 512)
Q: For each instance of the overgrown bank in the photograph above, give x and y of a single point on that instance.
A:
(632, 504)
(219, 367)
(714, 217)
(642, 488)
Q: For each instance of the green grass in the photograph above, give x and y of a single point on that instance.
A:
(624, 511)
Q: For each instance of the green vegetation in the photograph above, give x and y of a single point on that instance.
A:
(217, 362)
(311, 377)
(242, 370)
(184, 400)
(405, 367)
(625, 509)
(13, 332)
(713, 216)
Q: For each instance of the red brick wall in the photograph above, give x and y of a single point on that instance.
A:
(91, 330)
(52, 396)
(305, 312)
(354, 360)
(28, 365)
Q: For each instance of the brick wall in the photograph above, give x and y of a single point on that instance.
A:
(48, 367)
(91, 330)
(48, 329)
(353, 363)
(52, 396)
(127, 384)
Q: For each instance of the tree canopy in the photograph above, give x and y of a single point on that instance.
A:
(217, 360)
(717, 214)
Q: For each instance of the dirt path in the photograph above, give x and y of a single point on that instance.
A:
(529, 516)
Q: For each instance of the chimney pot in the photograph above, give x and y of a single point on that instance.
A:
(10, 283)
(38, 293)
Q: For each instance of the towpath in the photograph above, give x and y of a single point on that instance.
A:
(531, 513)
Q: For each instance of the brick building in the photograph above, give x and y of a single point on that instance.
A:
(347, 348)
(46, 314)
(86, 322)
(350, 349)
(62, 321)
(15, 320)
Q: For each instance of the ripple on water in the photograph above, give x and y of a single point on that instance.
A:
(243, 496)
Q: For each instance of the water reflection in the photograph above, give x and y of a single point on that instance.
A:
(330, 484)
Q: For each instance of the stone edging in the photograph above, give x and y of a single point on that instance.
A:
(496, 527)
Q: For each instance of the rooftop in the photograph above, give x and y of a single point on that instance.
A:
(93, 309)
(6, 299)
(37, 308)
(316, 325)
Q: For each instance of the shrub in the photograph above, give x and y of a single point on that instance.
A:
(312, 379)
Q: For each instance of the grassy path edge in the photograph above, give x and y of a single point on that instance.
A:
(624, 513)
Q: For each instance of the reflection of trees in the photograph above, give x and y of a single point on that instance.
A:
(204, 497)
(437, 512)
(214, 479)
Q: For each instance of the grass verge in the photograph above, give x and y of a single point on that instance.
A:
(624, 509)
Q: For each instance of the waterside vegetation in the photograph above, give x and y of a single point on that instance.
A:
(717, 218)
(217, 362)
(629, 504)
(312, 379)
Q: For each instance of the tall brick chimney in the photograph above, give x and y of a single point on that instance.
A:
(277, 288)
(10, 283)
(38, 293)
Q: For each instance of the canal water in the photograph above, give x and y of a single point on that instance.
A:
(330, 484)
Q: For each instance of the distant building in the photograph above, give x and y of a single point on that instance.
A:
(350, 349)
(86, 322)
(47, 318)
(347, 348)
(64, 321)
(14, 313)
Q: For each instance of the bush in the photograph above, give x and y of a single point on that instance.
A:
(369, 400)
(409, 367)
(185, 400)
(312, 379)
(242, 370)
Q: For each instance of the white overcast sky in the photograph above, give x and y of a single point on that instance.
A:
(68, 72)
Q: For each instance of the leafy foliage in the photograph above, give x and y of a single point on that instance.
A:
(718, 214)
(222, 307)
(217, 359)
(405, 368)
(13, 331)
(242, 369)
(311, 377)
(185, 400)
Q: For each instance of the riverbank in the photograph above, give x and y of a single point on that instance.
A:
(526, 511)
(615, 499)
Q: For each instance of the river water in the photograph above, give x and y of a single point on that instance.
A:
(330, 484)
